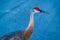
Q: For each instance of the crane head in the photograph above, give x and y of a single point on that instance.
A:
(37, 9)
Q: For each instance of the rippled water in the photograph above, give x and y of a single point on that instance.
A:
(14, 15)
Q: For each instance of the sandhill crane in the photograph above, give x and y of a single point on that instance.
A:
(23, 34)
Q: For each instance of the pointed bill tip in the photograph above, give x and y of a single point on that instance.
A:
(44, 12)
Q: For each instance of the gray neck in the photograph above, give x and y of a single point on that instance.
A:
(29, 29)
(32, 16)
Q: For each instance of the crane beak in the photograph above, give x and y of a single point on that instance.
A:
(43, 11)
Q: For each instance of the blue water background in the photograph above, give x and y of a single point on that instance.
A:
(15, 15)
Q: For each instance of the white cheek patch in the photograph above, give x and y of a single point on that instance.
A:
(36, 10)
